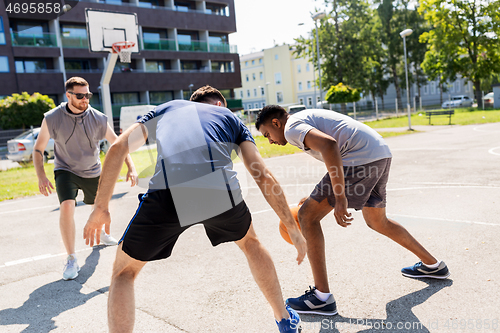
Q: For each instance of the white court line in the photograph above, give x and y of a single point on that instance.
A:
(447, 220)
(426, 149)
(36, 258)
(442, 187)
(492, 151)
(27, 209)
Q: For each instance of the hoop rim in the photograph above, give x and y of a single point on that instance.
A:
(123, 45)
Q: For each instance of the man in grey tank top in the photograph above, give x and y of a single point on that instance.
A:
(76, 129)
(357, 160)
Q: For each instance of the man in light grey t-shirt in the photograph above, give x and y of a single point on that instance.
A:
(358, 162)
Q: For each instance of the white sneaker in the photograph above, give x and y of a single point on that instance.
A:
(107, 239)
(71, 268)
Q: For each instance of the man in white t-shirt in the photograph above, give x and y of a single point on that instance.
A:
(358, 162)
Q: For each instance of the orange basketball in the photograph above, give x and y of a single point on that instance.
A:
(283, 230)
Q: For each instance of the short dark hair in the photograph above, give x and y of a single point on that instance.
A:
(208, 94)
(75, 81)
(268, 113)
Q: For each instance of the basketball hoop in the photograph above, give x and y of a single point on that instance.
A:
(122, 48)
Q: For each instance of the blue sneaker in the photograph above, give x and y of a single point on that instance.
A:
(311, 304)
(291, 324)
(419, 270)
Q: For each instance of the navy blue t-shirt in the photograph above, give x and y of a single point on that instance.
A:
(195, 143)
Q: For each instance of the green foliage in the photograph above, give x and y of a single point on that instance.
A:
(23, 110)
(464, 40)
(342, 93)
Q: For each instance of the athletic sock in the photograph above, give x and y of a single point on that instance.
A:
(434, 266)
(321, 296)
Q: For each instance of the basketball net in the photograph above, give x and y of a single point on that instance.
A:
(123, 50)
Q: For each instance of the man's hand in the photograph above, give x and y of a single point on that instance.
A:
(45, 186)
(92, 230)
(133, 176)
(299, 242)
(340, 212)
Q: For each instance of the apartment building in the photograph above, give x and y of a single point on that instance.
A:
(277, 76)
(183, 45)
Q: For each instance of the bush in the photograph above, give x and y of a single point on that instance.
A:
(342, 93)
(23, 110)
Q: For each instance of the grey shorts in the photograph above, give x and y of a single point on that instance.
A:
(365, 185)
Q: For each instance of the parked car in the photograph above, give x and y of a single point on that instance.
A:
(296, 108)
(21, 147)
(458, 101)
(488, 100)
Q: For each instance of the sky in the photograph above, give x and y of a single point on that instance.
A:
(261, 24)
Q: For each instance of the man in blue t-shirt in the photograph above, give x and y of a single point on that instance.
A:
(194, 183)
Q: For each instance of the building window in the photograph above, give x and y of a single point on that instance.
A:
(256, 105)
(426, 89)
(263, 104)
(131, 98)
(433, 87)
(148, 3)
(451, 87)
(74, 65)
(253, 76)
(217, 9)
(249, 106)
(307, 67)
(300, 85)
(248, 92)
(246, 63)
(276, 57)
(457, 86)
(298, 68)
(160, 97)
(301, 101)
(279, 97)
(4, 64)
(309, 101)
(308, 84)
(246, 78)
(260, 61)
(222, 66)
(317, 99)
(184, 6)
(30, 66)
(261, 76)
(241, 94)
(157, 66)
(190, 41)
(189, 65)
(254, 92)
(277, 78)
(262, 92)
(466, 86)
(2, 32)
(253, 62)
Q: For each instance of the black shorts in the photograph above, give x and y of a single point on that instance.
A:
(68, 184)
(365, 185)
(155, 227)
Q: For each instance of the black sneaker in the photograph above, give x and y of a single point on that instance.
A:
(311, 304)
(419, 270)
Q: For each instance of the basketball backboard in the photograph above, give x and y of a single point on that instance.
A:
(106, 27)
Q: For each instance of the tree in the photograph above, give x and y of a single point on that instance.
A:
(341, 94)
(23, 110)
(464, 40)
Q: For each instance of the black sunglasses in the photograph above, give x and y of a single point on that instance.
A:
(81, 96)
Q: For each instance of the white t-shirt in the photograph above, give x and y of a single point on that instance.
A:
(358, 143)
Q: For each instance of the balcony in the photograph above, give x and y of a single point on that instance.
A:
(161, 44)
(223, 48)
(194, 45)
(45, 39)
(75, 42)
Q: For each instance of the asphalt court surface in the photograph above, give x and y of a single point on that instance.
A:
(444, 188)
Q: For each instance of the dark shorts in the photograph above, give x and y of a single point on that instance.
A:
(365, 185)
(68, 184)
(155, 227)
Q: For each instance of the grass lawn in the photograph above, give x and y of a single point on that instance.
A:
(463, 116)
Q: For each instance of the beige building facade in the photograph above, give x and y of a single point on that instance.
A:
(276, 76)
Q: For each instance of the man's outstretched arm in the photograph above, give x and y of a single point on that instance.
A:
(274, 195)
(129, 141)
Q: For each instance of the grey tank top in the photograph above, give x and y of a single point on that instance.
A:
(76, 140)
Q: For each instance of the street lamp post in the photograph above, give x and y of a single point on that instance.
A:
(404, 34)
(191, 89)
(316, 17)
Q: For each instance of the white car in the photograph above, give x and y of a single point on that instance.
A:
(296, 108)
(458, 101)
(21, 147)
